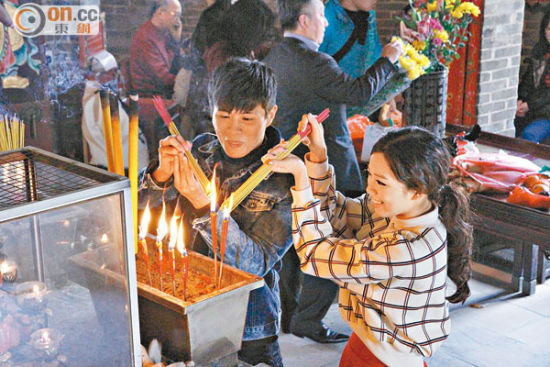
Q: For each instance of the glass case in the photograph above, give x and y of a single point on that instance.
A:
(53, 311)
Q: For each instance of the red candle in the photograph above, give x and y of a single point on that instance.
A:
(213, 221)
(141, 239)
(171, 247)
(223, 239)
(184, 258)
(161, 232)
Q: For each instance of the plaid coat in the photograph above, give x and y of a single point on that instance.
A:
(392, 273)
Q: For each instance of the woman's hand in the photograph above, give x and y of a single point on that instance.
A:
(169, 149)
(291, 164)
(186, 183)
(315, 141)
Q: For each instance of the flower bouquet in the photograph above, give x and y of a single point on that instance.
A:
(439, 28)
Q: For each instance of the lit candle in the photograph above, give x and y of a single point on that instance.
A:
(184, 258)
(171, 247)
(213, 221)
(161, 232)
(46, 340)
(223, 239)
(8, 271)
(143, 227)
(31, 295)
(133, 123)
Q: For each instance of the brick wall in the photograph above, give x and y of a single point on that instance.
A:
(386, 13)
(499, 65)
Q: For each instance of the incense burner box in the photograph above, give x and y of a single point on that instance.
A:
(205, 329)
(51, 210)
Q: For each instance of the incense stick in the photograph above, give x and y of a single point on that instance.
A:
(163, 112)
(261, 173)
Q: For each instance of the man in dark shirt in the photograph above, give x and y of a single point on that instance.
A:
(309, 81)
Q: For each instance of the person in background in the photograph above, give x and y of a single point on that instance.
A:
(242, 95)
(390, 249)
(533, 107)
(246, 29)
(351, 37)
(310, 81)
(155, 51)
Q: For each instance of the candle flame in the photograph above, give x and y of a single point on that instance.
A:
(181, 243)
(104, 238)
(212, 191)
(45, 335)
(227, 210)
(35, 288)
(145, 219)
(173, 232)
(162, 226)
(3, 267)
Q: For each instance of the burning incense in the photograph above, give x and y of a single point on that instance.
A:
(171, 247)
(141, 238)
(261, 173)
(165, 115)
(223, 238)
(161, 233)
(107, 129)
(185, 259)
(213, 220)
(133, 161)
(118, 158)
(12, 133)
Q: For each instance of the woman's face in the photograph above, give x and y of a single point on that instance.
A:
(547, 32)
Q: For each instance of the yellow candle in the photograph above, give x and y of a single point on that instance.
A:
(117, 139)
(107, 128)
(133, 160)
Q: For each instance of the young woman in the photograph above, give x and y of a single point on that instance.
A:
(391, 249)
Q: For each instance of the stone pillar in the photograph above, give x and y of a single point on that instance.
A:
(499, 65)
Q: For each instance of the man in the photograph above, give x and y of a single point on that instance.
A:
(242, 97)
(309, 81)
(351, 37)
(154, 52)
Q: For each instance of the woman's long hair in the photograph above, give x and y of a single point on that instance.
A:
(542, 47)
(421, 161)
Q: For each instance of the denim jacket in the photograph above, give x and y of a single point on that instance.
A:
(259, 231)
(340, 26)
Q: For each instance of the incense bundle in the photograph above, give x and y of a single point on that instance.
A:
(165, 115)
(118, 160)
(261, 173)
(133, 159)
(12, 133)
(107, 129)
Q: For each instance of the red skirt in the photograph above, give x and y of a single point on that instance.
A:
(356, 354)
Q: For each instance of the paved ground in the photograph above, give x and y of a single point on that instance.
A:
(504, 330)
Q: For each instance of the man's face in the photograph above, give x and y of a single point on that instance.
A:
(364, 5)
(314, 23)
(240, 132)
(171, 14)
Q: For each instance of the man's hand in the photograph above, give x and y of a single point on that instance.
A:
(392, 51)
(169, 149)
(522, 108)
(186, 183)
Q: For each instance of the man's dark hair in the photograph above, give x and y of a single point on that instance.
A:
(242, 84)
(290, 11)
